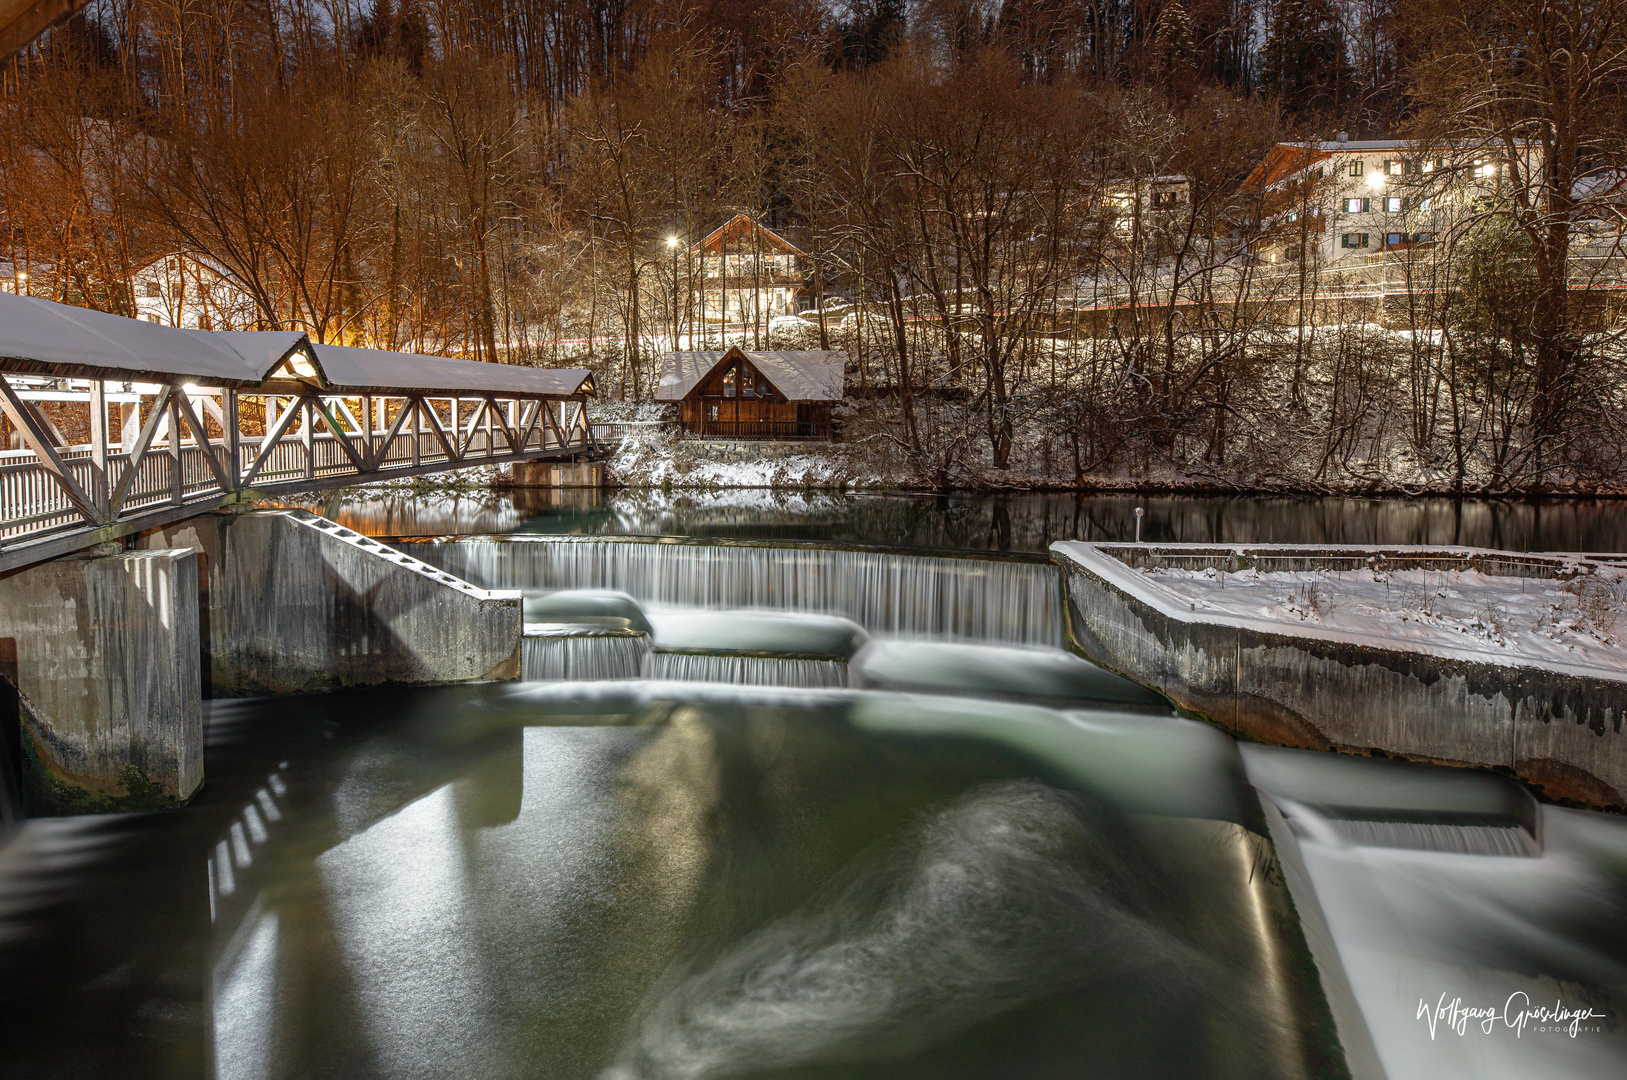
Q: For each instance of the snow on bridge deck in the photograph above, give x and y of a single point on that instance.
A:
(163, 423)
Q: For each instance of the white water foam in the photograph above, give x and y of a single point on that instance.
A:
(1008, 897)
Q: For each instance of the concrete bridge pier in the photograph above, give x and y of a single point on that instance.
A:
(105, 657)
(294, 603)
(101, 689)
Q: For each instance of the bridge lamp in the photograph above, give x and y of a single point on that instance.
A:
(192, 388)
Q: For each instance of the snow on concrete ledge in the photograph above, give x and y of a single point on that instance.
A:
(1174, 579)
(1302, 682)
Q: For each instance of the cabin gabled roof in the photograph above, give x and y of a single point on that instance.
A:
(738, 226)
(806, 375)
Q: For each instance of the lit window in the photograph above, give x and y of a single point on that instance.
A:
(1393, 206)
(152, 318)
(1293, 215)
(1424, 203)
(1355, 206)
(1427, 166)
(152, 288)
(1355, 168)
(1394, 168)
(1350, 240)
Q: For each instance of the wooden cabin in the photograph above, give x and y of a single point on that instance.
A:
(735, 394)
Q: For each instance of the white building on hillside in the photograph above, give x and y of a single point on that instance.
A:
(1342, 199)
(192, 292)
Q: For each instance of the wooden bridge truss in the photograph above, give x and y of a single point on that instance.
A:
(180, 450)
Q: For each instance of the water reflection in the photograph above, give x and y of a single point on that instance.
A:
(647, 880)
(1028, 522)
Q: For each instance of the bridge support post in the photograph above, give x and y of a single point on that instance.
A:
(294, 603)
(99, 654)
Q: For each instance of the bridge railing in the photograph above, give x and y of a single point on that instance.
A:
(57, 497)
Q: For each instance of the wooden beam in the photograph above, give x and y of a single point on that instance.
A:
(200, 434)
(272, 437)
(468, 434)
(390, 435)
(23, 419)
(440, 432)
(339, 436)
(21, 21)
(138, 453)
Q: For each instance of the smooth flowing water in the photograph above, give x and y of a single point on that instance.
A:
(884, 592)
(809, 811)
(1006, 522)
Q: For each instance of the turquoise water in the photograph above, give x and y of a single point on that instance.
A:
(984, 857)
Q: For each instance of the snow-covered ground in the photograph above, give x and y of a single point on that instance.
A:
(1507, 619)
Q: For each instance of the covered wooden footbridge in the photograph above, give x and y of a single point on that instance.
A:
(154, 424)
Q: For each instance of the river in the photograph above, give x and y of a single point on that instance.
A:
(829, 804)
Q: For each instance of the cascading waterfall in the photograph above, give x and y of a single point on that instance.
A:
(745, 670)
(979, 599)
(1457, 839)
(556, 655)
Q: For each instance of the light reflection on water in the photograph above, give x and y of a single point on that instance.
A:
(663, 882)
(1017, 523)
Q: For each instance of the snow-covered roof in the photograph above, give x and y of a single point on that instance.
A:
(801, 375)
(377, 371)
(39, 337)
(45, 338)
(743, 223)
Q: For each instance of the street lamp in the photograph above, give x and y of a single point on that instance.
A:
(672, 246)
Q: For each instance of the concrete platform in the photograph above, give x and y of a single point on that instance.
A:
(1296, 685)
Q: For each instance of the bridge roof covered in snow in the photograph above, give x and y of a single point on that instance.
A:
(376, 371)
(810, 375)
(39, 337)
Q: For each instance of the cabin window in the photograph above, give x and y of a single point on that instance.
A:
(730, 378)
(711, 412)
(152, 288)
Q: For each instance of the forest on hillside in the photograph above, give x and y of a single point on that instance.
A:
(507, 180)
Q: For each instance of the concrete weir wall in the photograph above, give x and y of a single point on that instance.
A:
(102, 654)
(294, 603)
(1560, 730)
